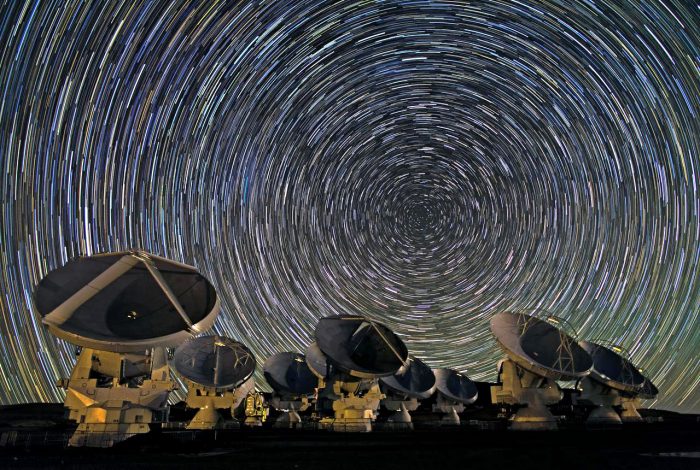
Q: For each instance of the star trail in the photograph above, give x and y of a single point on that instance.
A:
(426, 164)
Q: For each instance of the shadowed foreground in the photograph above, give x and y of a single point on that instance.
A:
(668, 445)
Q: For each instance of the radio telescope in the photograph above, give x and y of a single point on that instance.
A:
(122, 309)
(539, 353)
(454, 390)
(293, 384)
(219, 375)
(355, 352)
(614, 382)
(403, 389)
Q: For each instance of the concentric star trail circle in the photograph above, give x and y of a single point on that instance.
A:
(426, 164)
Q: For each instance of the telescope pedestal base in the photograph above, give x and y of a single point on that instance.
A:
(206, 418)
(288, 420)
(605, 398)
(289, 406)
(104, 426)
(521, 387)
(209, 400)
(348, 423)
(117, 407)
(603, 416)
(401, 418)
(534, 417)
(629, 411)
(351, 412)
(450, 410)
(451, 418)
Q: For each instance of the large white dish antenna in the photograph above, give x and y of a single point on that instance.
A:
(126, 302)
(612, 369)
(416, 380)
(287, 372)
(540, 347)
(455, 386)
(214, 361)
(360, 347)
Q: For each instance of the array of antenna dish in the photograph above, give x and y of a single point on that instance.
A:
(125, 309)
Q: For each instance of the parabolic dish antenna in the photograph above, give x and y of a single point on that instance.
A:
(214, 361)
(126, 302)
(612, 369)
(455, 386)
(361, 347)
(416, 380)
(614, 382)
(540, 347)
(648, 390)
(287, 372)
(317, 361)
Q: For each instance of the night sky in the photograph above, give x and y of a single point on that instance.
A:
(426, 164)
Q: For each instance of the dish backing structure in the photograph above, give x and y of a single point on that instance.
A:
(124, 309)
